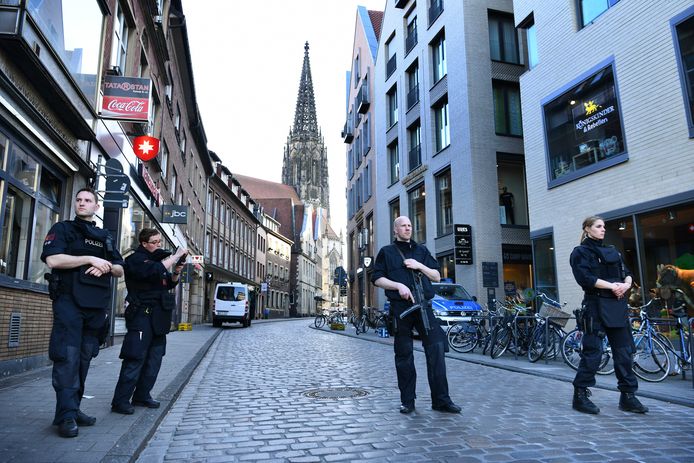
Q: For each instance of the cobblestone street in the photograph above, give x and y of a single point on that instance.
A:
(247, 401)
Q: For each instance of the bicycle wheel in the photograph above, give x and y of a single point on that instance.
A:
(500, 341)
(462, 337)
(319, 321)
(606, 363)
(651, 360)
(536, 346)
(571, 348)
(362, 325)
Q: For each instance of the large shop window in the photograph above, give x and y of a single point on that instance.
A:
(447, 267)
(584, 129)
(31, 198)
(685, 42)
(74, 31)
(665, 238)
(545, 267)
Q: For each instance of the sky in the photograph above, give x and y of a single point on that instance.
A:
(247, 59)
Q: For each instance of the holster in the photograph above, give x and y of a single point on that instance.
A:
(53, 285)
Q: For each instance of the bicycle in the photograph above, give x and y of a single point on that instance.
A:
(572, 350)
(508, 335)
(333, 317)
(465, 336)
(653, 349)
(367, 320)
(545, 340)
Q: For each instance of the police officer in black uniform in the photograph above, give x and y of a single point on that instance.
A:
(394, 271)
(605, 280)
(148, 319)
(83, 258)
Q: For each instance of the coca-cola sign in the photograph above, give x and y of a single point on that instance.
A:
(126, 98)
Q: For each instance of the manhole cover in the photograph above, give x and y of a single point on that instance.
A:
(336, 393)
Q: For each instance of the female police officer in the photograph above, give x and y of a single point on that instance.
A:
(82, 258)
(601, 272)
(147, 318)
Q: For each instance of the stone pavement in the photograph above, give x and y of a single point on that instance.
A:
(277, 392)
(246, 402)
(27, 402)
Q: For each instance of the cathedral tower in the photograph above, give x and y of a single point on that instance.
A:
(305, 165)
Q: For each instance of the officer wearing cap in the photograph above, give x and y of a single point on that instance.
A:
(83, 259)
(147, 318)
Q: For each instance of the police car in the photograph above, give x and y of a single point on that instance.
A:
(452, 303)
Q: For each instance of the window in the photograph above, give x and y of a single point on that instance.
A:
(531, 40)
(143, 68)
(435, 10)
(443, 137)
(414, 157)
(438, 52)
(394, 209)
(583, 126)
(366, 137)
(591, 9)
(507, 108)
(411, 36)
(182, 146)
(174, 180)
(75, 24)
(444, 204)
(164, 158)
(447, 266)
(685, 40)
(356, 71)
(544, 266)
(503, 41)
(30, 195)
(418, 213)
(393, 163)
(119, 47)
(367, 181)
(412, 85)
(392, 97)
(391, 63)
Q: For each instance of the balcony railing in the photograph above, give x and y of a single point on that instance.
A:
(410, 41)
(391, 65)
(363, 102)
(435, 10)
(413, 96)
(414, 158)
(348, 132)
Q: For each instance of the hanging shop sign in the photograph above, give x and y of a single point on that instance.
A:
(146, 147)
(174, 214)
(151, 184)
(126, 98)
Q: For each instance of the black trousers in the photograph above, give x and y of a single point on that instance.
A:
(72, 346)
(434, 344)
(622, 344)
(142, 353)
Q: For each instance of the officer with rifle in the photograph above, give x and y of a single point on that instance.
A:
(405, 270)
(83, 258)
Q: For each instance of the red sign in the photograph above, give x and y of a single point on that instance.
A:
(151, 185)
(146, 147)
(126, 98)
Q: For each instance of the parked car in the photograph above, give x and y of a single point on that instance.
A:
(452, 303)
(231, 304)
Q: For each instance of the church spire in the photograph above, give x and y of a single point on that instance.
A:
(305, 114)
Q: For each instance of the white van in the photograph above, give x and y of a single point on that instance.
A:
(230, 304)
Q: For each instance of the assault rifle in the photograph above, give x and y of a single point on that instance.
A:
(420, 303)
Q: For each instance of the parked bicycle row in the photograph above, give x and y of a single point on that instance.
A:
(515, 328)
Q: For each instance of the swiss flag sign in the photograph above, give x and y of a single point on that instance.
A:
(146, 147)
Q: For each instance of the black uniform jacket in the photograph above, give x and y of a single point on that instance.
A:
(389, 264)
(590, 261)
(82, 238)
(149, 286)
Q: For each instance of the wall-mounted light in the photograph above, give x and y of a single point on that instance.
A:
(622, 225)
(671, 215)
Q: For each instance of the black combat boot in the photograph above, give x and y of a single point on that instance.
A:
(582, 403)
(629, 403)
